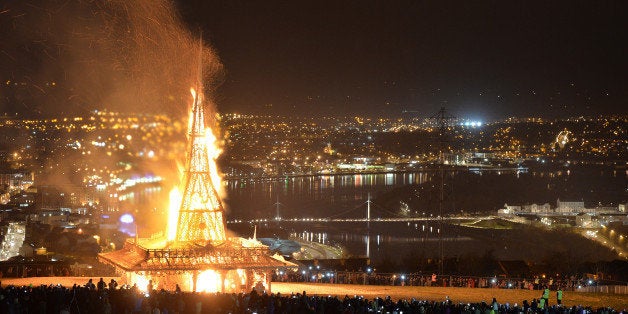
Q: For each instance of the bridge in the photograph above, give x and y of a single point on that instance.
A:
(341, 217)
(404, 219)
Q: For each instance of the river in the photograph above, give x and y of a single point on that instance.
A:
(321, 196)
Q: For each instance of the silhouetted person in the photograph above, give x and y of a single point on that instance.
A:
(101, 284)
(113, 284)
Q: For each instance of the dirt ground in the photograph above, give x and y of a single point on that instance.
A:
(465, 295)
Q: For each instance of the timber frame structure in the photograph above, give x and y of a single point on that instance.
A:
(240, 264)
(199, 252)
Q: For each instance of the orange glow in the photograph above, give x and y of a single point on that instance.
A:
(259, 280)
(201, 199)
(180, 168)
(208, 281)
(242, 275)
(173, 213)
(214, 151)
(140, 281)
(191, 116)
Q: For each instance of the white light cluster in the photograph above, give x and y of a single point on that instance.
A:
(472, 124)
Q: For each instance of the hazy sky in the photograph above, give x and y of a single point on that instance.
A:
(480, 59)
(488, 58)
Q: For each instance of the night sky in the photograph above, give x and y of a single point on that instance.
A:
(488, 59)
(480, 59)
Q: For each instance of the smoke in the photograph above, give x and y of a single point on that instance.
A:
(121, 55)
(66, 57)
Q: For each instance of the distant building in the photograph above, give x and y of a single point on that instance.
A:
(12, 237)
(24, 200)
(537, 209)
(622, 207)
(602, 210)
(529, 208)
(509, 210)
(569, 207)
(16, 180)
(53, 217)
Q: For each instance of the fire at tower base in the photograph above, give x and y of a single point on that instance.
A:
(236, 265)
(195, 253)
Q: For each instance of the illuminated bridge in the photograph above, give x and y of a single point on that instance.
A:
(343, 217)
(397, 219)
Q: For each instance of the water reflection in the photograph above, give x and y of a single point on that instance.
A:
(310, 195)
(329, 195)
(357, 240)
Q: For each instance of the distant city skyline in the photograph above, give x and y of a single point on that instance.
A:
(481, 60)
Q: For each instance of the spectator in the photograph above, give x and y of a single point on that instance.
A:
(58, 299)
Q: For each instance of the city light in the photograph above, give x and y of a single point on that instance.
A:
(365, 145)
(127, 219)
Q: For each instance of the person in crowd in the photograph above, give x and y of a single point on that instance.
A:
(113, 284)
(101, 284)
(546, 294)
(90, 284)
(494, 306)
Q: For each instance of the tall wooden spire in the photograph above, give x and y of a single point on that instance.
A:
(201, 214)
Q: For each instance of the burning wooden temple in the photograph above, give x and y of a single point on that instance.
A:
(196, 253)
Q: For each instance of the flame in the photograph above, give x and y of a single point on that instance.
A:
(242, 275)
(260, 281)
(190, 116)
(176, 194)
(214, 151)
(173, 212)
(212, 147)
(180, 168)
(208, 281)
(140, 281)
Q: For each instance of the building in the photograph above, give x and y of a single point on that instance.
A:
(569, 207)
(509, 210)
(11, 181)
(537, 209)
(12, 237)
(55, 217)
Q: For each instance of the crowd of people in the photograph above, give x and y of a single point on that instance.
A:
(102, 297)
(422, 279)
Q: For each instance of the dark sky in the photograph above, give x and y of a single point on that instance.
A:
(479, 59)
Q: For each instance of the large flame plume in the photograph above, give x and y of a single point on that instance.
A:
(214, 151)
